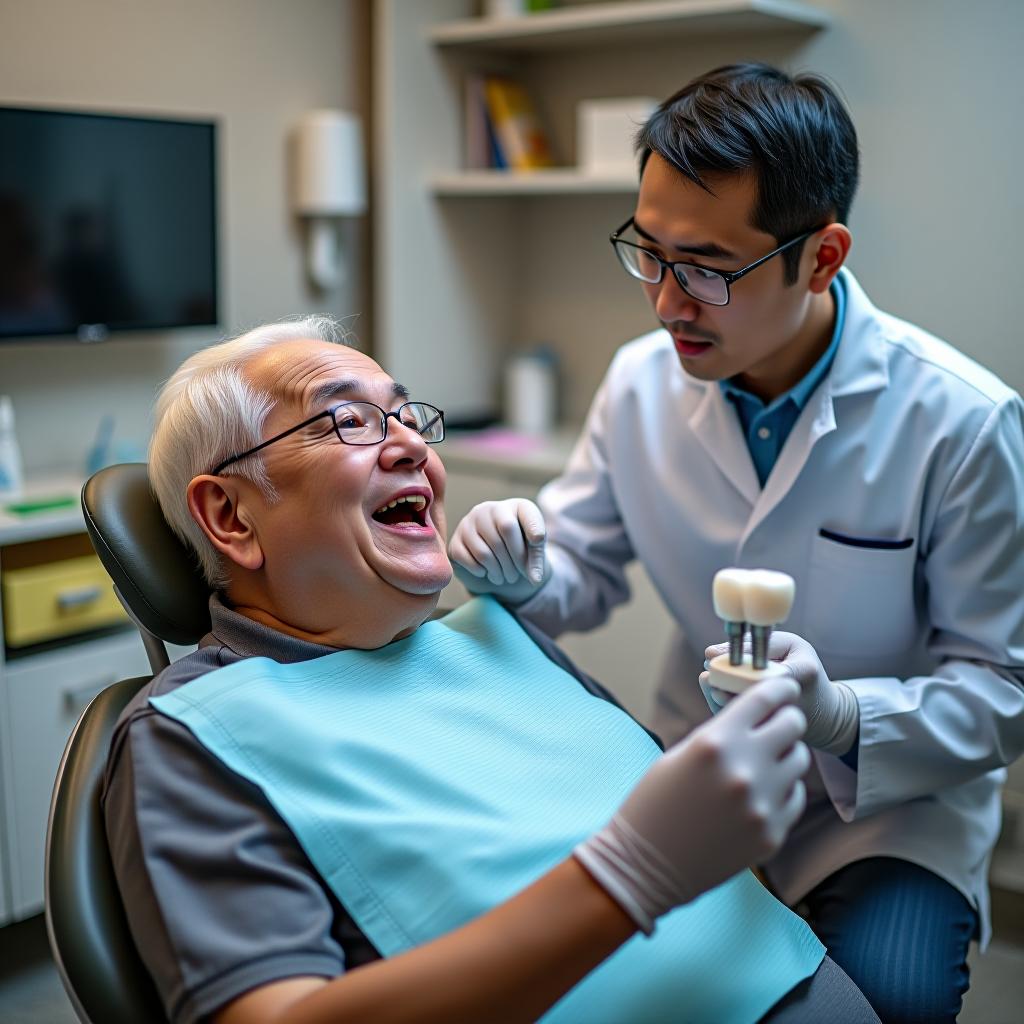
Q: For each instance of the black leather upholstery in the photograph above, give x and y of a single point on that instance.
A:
(156, 574)
(158, 578)
(89, 936)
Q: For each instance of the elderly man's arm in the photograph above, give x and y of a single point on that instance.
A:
(739, 777)
(509, 965)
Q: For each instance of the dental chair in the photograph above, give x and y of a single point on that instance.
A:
(158, 583)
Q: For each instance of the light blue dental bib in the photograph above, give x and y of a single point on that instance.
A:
(432, 779)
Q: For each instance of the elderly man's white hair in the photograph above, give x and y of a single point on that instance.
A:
(207, 411)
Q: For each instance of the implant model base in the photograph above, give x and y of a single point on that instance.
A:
(737, 678)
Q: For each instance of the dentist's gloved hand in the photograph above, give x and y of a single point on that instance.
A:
(498, 548)
(721, 799)
(831, 708)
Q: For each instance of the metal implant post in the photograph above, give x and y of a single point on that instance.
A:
(734, 631)
(759, 637)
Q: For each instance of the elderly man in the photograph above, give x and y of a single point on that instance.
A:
(332, 811)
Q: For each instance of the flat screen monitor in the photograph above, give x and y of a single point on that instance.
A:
(107, 223)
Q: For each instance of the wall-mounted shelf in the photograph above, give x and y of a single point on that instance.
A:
(472, 264)
(553, 182)
(604, 23)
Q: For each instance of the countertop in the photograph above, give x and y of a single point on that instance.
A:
(533, 458)
(46, 522)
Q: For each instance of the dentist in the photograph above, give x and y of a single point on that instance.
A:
(777, 418)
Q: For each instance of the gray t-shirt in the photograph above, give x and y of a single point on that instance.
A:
(220, 896)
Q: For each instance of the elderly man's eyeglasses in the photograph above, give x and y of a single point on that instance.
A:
(363, 423)
(700, 283)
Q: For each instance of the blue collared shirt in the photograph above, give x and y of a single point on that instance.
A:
(767, 427)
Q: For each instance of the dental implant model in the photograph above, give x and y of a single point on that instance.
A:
(758, 599)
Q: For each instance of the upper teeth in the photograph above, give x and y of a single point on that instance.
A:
(413, 499)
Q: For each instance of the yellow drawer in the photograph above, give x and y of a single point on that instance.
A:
(57, 599)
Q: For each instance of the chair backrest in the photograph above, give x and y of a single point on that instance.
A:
(96, 958)
(156, 577)
(158, 581)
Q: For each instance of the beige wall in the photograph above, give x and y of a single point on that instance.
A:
(934, 86)
(253, 65)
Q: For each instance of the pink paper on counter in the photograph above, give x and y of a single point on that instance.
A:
(500, 441)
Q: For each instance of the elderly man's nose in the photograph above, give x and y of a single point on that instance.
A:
(403, 443)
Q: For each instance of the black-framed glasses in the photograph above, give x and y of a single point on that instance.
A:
(362, 423)
(700, 283)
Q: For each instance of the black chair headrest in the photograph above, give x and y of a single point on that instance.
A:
(156, 574)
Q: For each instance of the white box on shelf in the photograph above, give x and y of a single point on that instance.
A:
(505, 8)
(605, 130)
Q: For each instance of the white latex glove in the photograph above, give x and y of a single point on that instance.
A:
(831, 707)
(721, 799)
(498, 548)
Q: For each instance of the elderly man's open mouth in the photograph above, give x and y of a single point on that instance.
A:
(407, 510)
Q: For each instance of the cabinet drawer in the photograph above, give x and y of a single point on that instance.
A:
(57, 599)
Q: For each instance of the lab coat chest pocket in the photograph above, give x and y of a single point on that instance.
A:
(860, 600)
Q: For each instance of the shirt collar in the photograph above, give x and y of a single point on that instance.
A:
(251, 639)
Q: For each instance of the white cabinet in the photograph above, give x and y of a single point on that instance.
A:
(626, 653)
(43, 690)
(1007, 870)
(45, 694)
(5, 899)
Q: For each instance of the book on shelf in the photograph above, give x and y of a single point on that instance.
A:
(495, 154)
(518, 136)
(478, 154)
(482, 150)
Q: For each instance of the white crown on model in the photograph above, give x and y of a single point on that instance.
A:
(758, 599)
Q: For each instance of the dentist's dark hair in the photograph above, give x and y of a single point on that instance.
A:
(792, 133)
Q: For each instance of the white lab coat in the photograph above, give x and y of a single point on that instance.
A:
(906, 438)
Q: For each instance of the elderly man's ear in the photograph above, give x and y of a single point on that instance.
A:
(219, 506)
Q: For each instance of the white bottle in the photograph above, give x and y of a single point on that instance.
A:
(531, 385)
(10, 456)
